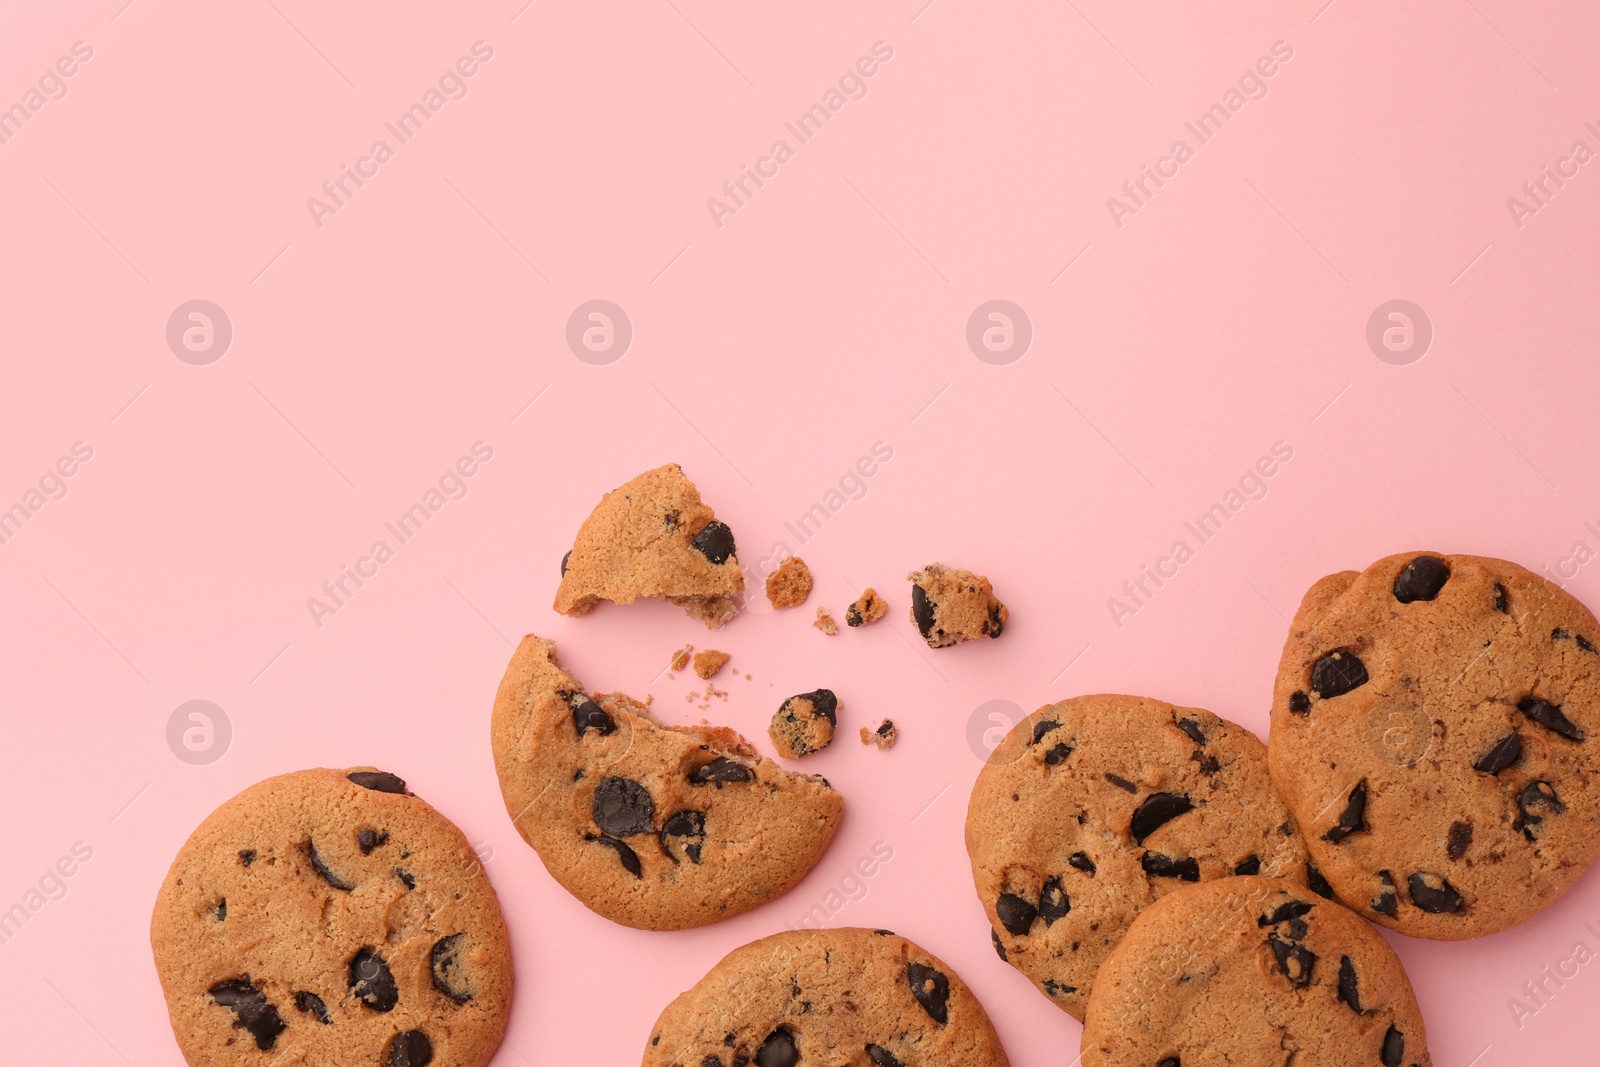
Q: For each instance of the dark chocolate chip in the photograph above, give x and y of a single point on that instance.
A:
(1421, 579)
(1505, 752)
(1159, 866)
(1584, 645)
(446, 963)
(1121, 783)
(1317, 883)
(1251, 865)
(823, 703)
(1440, 899)
(1192, 728)
(778, 1050)
(247, 856)
(1053, 902)
(310, 1004)
(1499, 597)
(251, 1011)
(882, 1057)
(1060, 752)
(1208, 764)
(995, 624)
(372, 982)
(587, 715)
(381, 781)
(1295, 961)
(1336, 674)
(406, 877)
(999, 948)
(1538, 797)
(1082, 862)
(1015, 913)
(1155, 811)
(1043, 727)
(410, 1049)
(932, 990)
(370, 839)
(690, 826)
(922, 610)
(629, 858)
(1352, 819)
(222, 910)
(1459, 841)
(720, 770)
(1550, 717)
(1394, 1048)
(1292, 909)
(1170, 1061)
(622, 807)
(322, 868)
(671, 519)
(715, 542)
(1056, 989)
(564, 560)
(1299, 703)
(1386, 902)
(1349, 984)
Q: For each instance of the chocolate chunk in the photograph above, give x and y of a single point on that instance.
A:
(1459, 841)
(372, 982)
(823, 703)
(1159, 866)
(1349, 985)
(720, 770)
(1043, 727)
(222, 910)
(1082, 862)
(1015, 913)
(629, 858)
(311, 1004)
(622, 807)
(1317, 883)
(564, 560)
(1536, 798)
(1053, 902)
(1192, 728)
(1584, 644)
(382, 781)
(1386, 902)
(1421, 579)
(370, 839)
(1170, 1061)
(922, 610)
(409, 1049)
(1292, 909)
(671, 519)
(1394, 1048)
(1295, 961)
(251, 1011)
(247, 856)
(587, 715)
(1352, 819)
(1251, 865)
(1499, 597)
(322, 868)
(1060, 752)
(999, 948)
(1056, 989)
(1121, 783)
(932, 990)
(1505, 752)
(689, 826)
(1550, 717)
(1336, 674)
(995, 624)
(1155, 811)
(1208, 764)
(882, 1057)
(1299, 703)
(715, 542)
(446, 963)
(406, 877)
(778, 1050)
(1435, 899)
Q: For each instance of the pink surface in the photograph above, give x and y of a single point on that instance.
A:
(1174, 341)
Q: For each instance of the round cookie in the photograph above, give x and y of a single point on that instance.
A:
(1092, 809)
(653, 826)
(1252, 971)
(331, 917)
(844, 996)
(1434, 729)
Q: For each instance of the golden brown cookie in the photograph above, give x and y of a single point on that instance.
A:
(868, 608)
(950, 606)
(709, 662)
(804, 723)
(1434, 727)
(790, 584)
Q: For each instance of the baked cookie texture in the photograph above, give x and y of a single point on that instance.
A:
(1094, 808)
(845, 996)
(1252, 971)
(331, 917)
(652, 826)
(804, 723)
(790, 584)
(1434, 727)
(653, 537)
(950, 606)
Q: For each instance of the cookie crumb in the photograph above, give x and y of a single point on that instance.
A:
(680, 658)
(790, 584)
(869, 608)
(949, 605)
(825, 623)
(884, 736)
(709, 662)
(804, 723)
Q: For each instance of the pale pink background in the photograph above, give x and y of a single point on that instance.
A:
(824, 316)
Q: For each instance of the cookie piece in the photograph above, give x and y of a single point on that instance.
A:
(804, 723)
(868, 608)
(653, 537)
(680, 658)
(790, 584)
(653, 826)
(1257, 971)
(1092, 809)
(331, 917)
(709, 662)
(949, 606)
(826, 997)
(1435, 726)
(825, 623)
(884, 736)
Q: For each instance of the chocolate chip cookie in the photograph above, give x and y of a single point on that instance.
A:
(331, 917)
(1434, 727)
(804, 723)
(653, 826)
(843, 996)
(1092, 809)
(950, 606)
(1252, 971)
(653, 537)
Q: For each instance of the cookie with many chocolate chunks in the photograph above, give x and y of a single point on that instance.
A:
(845, 996)
(331, 917)
(1092, 809)
(1435, 726)
(1252, 971)
(653, 826)
(949, 606)
(653, 537)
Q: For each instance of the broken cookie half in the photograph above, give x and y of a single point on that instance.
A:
(653, 537)
(653, 826)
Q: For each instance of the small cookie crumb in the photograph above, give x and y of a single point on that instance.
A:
(680, 658)
(884, 736)
(825, 623)
(709, 662)
(804, 723)
(870, 608)
(790, 584)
